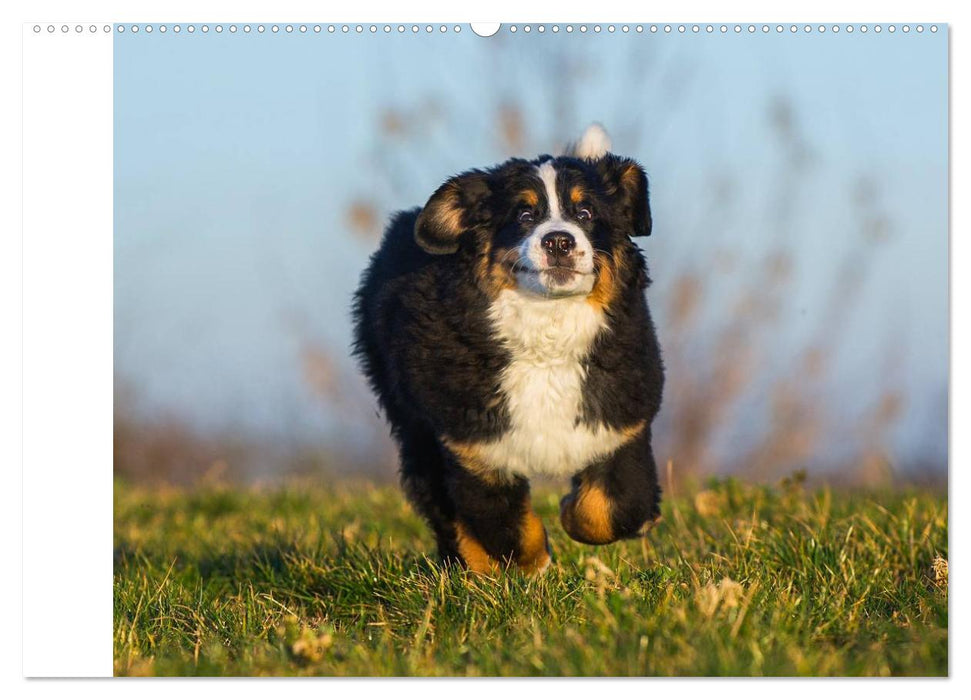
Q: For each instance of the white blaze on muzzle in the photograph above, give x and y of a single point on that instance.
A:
(531, 249)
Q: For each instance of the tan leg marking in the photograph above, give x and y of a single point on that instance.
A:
(468, 455)
(533, 555)
(586, 515)
(473, 553)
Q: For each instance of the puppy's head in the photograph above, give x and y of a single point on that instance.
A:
(552, 226)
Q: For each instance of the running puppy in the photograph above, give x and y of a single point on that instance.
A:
(505, 331)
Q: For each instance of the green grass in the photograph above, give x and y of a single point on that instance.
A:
(334, 580)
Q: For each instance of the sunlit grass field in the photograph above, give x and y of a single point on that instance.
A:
(738, 580)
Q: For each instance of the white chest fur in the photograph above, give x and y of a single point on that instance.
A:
(548, 340)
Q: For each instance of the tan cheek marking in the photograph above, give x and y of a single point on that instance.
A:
(533, 556)
(494, 275)
(473, 553)
(482, 275)
(605, 288)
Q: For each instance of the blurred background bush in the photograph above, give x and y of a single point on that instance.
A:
(800, 249)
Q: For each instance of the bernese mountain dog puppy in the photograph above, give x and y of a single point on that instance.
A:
(505, 331)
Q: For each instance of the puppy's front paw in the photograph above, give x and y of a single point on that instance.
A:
(647, 527)
(534, 554)
(473, 554)
(586, 515)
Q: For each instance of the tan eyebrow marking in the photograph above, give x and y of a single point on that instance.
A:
(577, 194)
(533, 555)
(529, 197)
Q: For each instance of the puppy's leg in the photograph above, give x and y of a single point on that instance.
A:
(616, 498)
(495, 523)
(423, 480)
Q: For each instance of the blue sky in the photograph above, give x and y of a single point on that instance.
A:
(236, 157)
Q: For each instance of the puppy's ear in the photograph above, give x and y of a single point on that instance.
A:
(456, 207)
(626, 184)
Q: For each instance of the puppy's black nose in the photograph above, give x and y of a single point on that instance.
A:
(558, 243)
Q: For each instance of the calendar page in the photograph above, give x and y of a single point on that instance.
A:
(386, 349)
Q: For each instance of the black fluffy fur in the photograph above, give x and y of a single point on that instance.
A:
(425, 343)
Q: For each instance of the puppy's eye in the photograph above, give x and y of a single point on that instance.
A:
(584, 214)
(525, 216)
